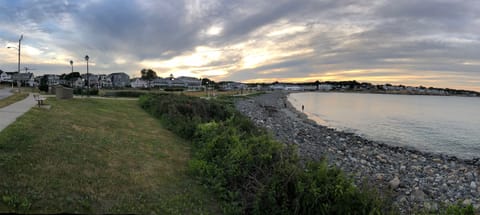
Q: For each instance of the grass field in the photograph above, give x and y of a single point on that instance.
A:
(96, 156)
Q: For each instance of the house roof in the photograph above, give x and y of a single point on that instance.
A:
(22, 76)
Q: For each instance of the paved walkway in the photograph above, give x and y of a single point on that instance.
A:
(10, 113)
(5, 92)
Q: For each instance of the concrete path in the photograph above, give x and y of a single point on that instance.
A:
(5, 92)
(10, 113)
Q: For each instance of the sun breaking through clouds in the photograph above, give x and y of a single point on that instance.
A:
(430, 42)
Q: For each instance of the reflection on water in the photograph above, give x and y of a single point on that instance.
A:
(439, 124)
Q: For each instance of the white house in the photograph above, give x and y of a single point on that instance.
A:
(293, 88)
(277, 87)
(52, 79)
(5, 77)
(24, 79)
(232, 86)
(325, 87)
(78, 83)
(190, 82)
(138, 83)
(180, 82)
(104, 81)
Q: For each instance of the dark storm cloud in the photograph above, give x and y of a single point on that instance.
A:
(123, 25)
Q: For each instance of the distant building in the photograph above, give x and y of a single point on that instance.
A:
(325, 87)
(277, 87)
(24, 79)
(77, 82)
(138, 83)
(160, 82)
(92, 79)
(4, 77)
(190, 82)
(104, 81)
(230, 85)
(119, 79)
(180, 82)
(293, 88)
(52, 80)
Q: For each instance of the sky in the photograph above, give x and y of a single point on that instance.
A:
(429, 42)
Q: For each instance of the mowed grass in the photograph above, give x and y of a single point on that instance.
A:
(12, 99)
(96, 156)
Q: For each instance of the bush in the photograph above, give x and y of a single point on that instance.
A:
(133, 94)
(251, 172)
(182, 113)
(43, 88)
(174, 89)
(80, 91)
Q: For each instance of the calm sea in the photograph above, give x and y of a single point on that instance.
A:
(439, 124)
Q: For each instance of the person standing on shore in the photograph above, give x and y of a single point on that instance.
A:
(303, 108)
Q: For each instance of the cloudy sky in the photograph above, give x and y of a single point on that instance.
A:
(429, 43)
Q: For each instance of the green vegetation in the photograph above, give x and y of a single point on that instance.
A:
(15, 97)
(453, 209)
(96, 156)
(122, 93)
(251, 172)
(139, 92)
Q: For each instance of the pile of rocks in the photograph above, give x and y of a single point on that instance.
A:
(416, 179)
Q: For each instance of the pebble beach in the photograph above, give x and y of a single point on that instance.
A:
(414, 179)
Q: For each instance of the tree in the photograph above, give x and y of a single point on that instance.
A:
(72, 75)
(43, 85)
(317, 84)
(148, 75)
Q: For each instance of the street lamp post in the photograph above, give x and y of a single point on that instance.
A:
(88, 79)
(19, 49)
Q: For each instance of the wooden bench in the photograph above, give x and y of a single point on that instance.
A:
(39, 99)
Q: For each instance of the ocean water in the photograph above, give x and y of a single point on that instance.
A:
(438, 124)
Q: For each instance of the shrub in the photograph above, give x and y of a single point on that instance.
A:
(133, 94)
(81, 91)
(182, 113)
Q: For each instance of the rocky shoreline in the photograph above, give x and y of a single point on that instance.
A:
(415, 179)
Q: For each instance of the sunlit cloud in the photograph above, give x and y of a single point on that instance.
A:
(214, 30)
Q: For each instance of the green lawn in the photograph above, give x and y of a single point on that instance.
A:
(96, 156)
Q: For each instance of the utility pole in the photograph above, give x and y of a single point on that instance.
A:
(18, 48)
(88, 79)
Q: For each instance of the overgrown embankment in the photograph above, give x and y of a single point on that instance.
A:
(250, 171)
